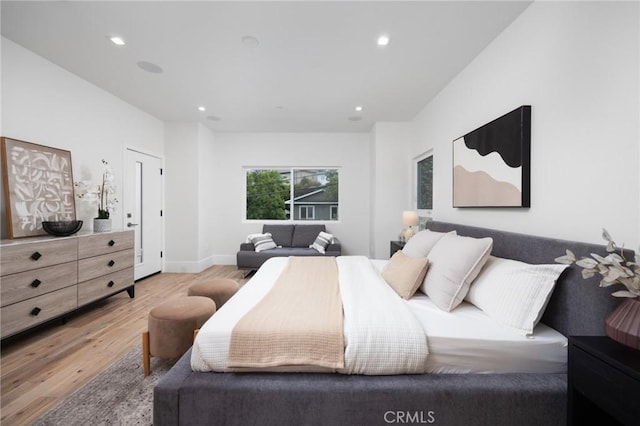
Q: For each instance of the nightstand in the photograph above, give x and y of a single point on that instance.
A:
(604, 382)
(395, 246)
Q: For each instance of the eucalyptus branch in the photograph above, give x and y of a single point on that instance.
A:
(614, 268)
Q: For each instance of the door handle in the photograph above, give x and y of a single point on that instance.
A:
(131, 224)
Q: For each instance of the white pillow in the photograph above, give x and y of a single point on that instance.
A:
(513, 293)
(421, 244)
(263, 242)
(454, 262)
(250, 236)
(322, 241)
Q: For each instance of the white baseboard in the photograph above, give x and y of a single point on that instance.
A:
(190, 267)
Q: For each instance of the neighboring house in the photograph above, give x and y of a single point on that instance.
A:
(314, 205)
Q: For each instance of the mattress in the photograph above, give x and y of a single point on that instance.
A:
(462, 341)
(466, 340)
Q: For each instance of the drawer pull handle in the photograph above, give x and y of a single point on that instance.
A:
(35, 283)
(36, 256)
(111, 263)
(110, 284)
(35, 311)
(111, 243)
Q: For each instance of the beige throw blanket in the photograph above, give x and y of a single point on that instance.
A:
(299, 322)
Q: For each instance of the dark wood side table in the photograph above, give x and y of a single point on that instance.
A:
(395, 246)
(604, 382)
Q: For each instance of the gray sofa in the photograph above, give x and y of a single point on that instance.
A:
(292, 240)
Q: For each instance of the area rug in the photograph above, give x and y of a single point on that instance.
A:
(120, 395)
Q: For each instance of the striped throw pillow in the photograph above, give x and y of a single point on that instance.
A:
(262, 242)
(322, 241)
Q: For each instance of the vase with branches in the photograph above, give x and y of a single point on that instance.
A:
(623, 324)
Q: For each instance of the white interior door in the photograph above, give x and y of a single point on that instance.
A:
(143, 210)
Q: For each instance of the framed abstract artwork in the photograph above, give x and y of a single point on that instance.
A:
(38, 185)
(492, 164)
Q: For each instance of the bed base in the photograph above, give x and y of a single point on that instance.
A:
(187, 398)
(577, 307)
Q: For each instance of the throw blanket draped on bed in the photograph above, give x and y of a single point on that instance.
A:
(381, 334)
(299, 322)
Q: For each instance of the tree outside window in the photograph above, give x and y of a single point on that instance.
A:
(425, 183)
(292, 194)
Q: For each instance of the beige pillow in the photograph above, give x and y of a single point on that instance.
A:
(405, 274)
(454, 262)
(421, 244)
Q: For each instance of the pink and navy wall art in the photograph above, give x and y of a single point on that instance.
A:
(491, 165)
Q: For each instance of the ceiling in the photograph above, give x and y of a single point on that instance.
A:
(304, 68)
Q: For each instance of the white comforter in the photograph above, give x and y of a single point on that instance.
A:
(382, 335)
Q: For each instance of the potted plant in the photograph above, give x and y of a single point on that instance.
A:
(102, 193)
(623, 325)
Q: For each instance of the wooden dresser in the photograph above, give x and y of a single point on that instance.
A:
(42, 278)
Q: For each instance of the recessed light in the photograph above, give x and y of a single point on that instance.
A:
(116, 40)
(383, 40)
(201, 108)
(359, 108)
(149, 67)
(250, 41)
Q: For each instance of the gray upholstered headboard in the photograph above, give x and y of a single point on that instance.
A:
(577, 306)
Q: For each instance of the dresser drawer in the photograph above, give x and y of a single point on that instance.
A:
(95, 245)
(98, 266)
(22, 315)
(25, 285)
(91, 290)
(25, 257)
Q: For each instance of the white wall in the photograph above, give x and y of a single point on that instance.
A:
(577, 65)
(233, 151)
(45, 104)
(390, 184)
(181, 197)
(208, 201)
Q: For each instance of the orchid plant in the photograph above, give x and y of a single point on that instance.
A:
(614, 268)
(102, 193)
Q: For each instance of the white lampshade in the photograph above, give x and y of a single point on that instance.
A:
(410, 218)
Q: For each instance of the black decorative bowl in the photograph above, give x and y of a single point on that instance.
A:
(62, 228)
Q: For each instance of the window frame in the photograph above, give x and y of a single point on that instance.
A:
(307, 208)
(336, 209)
(290, 212)
(416, 161)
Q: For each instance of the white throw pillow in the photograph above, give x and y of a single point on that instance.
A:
(322, 241)
(405, 273)
(513, 293)
(421, 244)
(454, 262)
(250, 236)
(263, 242)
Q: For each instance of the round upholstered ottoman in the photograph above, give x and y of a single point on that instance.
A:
(172, 325)
(219, 290)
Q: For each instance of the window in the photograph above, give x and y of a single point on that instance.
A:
(425, 182)
(307, 212)
(334, 212)
(291, 194)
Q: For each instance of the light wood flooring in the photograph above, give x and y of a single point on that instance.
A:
(40, 368)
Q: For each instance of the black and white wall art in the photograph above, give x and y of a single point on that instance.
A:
(491, 165)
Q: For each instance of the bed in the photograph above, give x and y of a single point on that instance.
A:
(576, 307)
